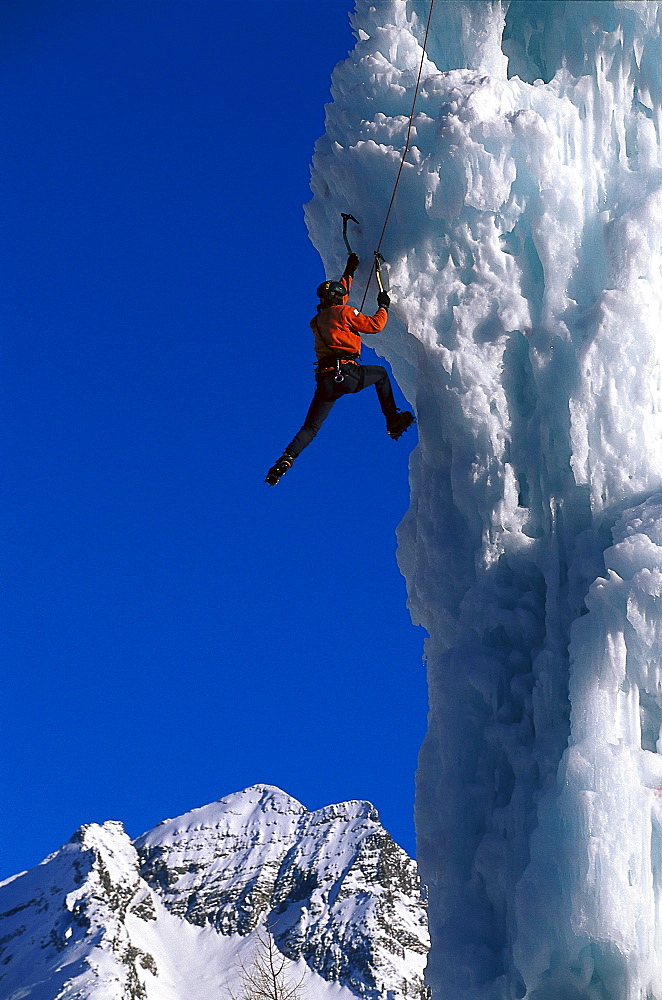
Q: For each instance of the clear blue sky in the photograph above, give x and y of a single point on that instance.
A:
(172, 629)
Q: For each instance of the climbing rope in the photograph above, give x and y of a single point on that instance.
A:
(404, 153)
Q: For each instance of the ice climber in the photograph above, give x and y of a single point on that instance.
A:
(338, 346)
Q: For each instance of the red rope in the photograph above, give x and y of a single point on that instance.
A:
(404, 154)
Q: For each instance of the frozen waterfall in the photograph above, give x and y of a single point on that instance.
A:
(526, 329)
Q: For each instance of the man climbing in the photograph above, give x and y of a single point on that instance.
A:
(338, 346)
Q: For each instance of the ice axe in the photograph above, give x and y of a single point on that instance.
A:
(345, 219)
(379, 260)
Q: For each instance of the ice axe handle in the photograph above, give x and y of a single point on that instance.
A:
(345, 219)
(379, 260)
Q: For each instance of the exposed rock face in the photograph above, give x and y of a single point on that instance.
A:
(175, 910)
(63, 925)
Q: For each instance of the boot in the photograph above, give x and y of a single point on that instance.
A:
(277, 471)
(396, 427)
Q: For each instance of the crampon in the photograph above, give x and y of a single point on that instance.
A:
(277, 471)
(400, 424)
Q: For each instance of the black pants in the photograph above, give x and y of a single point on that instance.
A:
(355, 378)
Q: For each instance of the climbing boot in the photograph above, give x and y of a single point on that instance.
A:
(277, 471)
(400, 423)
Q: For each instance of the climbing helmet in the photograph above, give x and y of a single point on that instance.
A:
(332, 291)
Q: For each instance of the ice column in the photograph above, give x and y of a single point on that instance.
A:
(526, 329)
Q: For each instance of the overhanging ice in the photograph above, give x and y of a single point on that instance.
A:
(526, 329)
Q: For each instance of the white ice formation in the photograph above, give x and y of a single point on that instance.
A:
(526, 329)
(173, 915)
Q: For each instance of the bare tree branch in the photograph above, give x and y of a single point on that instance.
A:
(266, 978)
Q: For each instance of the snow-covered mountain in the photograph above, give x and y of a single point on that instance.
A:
(173, 914)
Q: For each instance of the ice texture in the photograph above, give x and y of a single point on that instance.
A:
(525, 250)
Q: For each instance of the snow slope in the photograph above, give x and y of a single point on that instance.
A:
(173, 915)
(526, 271)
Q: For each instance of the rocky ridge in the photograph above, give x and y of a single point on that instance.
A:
(172, 915)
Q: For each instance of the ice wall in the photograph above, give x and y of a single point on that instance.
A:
(526, 329)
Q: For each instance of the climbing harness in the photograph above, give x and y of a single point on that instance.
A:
(378, 258)
(336, 367)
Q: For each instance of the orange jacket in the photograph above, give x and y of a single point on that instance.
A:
(337, 328)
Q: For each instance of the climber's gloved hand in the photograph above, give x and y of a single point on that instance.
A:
(352, 264)
(384, 300)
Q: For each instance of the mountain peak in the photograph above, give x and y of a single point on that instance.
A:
(328, 882)
(246, 809)
(178, 908)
